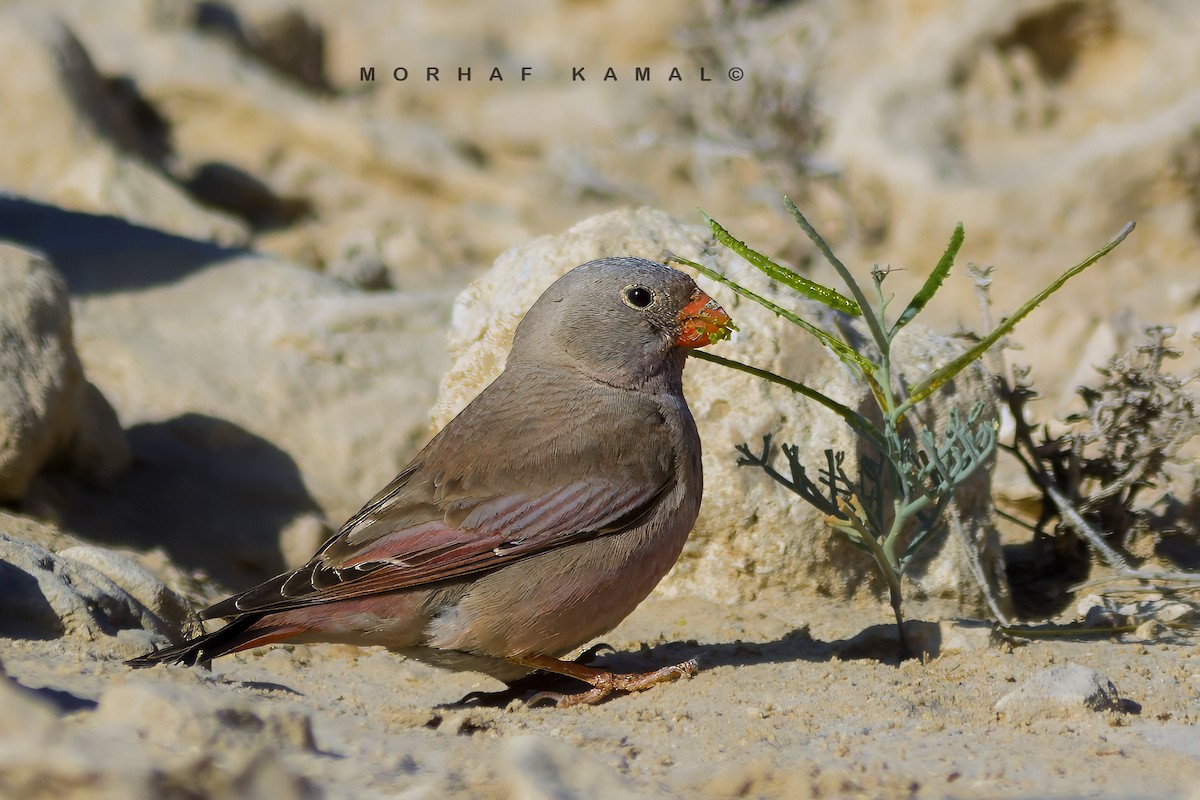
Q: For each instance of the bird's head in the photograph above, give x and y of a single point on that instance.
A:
(624, 321)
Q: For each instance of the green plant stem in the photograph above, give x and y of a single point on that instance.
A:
(938, 377)
(856, 420)
(781, 274)
(854, 528)
(893, 535)
(859, 296)
(933, 282)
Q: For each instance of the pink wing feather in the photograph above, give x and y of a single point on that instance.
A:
(494, 532)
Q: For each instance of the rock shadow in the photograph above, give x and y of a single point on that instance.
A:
(224, 186)
(1042, 572)
(25, 613)
(64, 701)
(1176, 530)
(215, 497)
(100, 254)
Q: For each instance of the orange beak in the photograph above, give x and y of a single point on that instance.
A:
(703, 322)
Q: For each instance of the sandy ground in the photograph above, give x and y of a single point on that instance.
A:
(778, 710)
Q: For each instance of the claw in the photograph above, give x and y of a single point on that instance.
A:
(593, 652)
(498, 699)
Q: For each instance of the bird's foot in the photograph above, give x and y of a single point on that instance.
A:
(532, 682)
(605, 683)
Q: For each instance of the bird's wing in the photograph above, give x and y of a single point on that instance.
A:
(435, 522)
(494, 532)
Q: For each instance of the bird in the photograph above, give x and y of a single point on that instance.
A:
(537, 519)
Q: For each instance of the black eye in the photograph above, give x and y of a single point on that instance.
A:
(638, 296)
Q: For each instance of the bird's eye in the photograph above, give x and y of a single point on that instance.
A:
(638, 296)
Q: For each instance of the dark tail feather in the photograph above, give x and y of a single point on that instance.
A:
(240, 634)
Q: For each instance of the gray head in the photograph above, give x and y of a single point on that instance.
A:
(624, 321)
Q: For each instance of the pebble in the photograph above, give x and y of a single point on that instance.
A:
(1062, 691)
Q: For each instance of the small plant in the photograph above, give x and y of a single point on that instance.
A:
(896, 502)
(1132, 426)
(1095, 476)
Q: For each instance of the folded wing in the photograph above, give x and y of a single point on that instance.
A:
(489, 533)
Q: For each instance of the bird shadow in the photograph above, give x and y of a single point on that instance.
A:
(795, 645)
(215, 497)
(98, 254)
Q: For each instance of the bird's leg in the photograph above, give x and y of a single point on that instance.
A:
(603, 682)
(522, 686)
